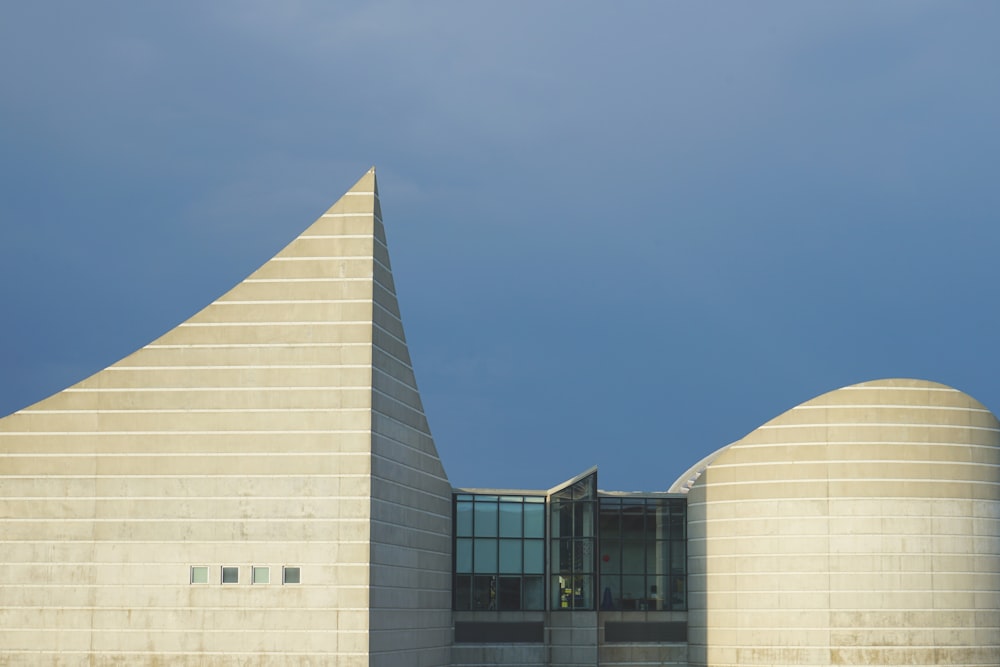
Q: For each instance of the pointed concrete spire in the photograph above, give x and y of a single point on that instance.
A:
(366, 192)
(278, 427)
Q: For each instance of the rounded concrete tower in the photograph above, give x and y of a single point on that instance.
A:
(859, 528)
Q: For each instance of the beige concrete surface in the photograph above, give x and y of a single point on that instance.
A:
(862, 527)
(279, 427)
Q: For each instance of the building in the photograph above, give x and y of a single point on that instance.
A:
(259, 486)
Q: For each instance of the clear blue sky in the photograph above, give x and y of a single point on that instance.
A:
(623, 234)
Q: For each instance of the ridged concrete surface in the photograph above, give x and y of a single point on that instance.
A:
(280, 426)
(862, 527)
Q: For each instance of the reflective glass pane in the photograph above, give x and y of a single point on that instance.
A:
(230, 575)
(199, 574)
(485, 555)
(510, 556)
(534, 593)
(611, 559)
(463, 519)
(583, 555)
(659, 520)
(583, 489)
(261, 575)
(562, 592)
(510, 520)
(633, 525)
(463, 555)
(650, 528)
(677, 519)
(611, 593)
(534, 556)
(633, 557)
(659, 563)
(484, 593)
(678, 557)
(463, 592)
(564, 520)
(658, 589)
(633, 592)
(534, 520)
(678, 593)
(609, 521)
(583, 592)
(565, 557)
(486, 519)
(583, 519)
(509, 593)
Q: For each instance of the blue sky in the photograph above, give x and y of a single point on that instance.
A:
(623, 234)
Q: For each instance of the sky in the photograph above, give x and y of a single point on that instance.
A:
(623, 234)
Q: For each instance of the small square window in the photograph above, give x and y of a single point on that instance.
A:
(262, 575)
(290, 575)
(230, 575)
(199, 574)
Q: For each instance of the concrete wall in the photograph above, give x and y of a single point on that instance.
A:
(862, 527)
(507, 653)
(641, 654)
(264, 431)
(411, 620)
(572, 638)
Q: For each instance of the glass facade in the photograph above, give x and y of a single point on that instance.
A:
(572, 511)
(643, 553)
(622, 552)
(499, 552)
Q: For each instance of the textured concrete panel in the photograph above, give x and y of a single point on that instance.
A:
(279, 426)
(858, 528)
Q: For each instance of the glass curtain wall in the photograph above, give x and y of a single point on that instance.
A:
(572, 512)
(499, 553)
(616, 552)
(643, 554)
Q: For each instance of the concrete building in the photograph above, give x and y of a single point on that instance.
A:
(259, 486)
(859, 528)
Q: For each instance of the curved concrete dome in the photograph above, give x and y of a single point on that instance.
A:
(861, 527)
(684, 483)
